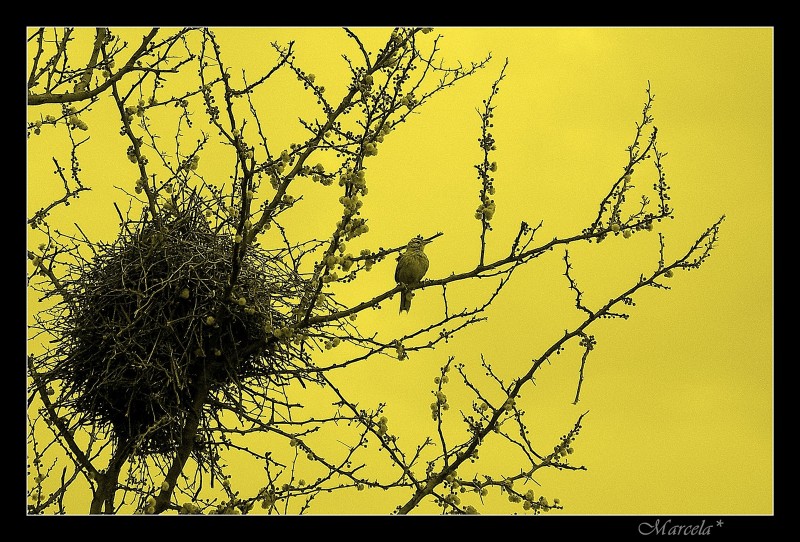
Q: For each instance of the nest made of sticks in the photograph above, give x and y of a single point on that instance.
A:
(148, 319)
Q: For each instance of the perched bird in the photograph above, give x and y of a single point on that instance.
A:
(411, 267)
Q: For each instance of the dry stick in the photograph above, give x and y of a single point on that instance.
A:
(380, 64)
(478, 437)
(511, 259)
(70, 97)
(103, 498)
(240, 248)
(392, 453)
(187, 444)
(137, 149)
(483, 168)
(247, 88)
(40, 215)
(60, 49)
(586, 351)
(53, 279)
(633, 157)
(92, 64)
(64, 432)
(39, 35)
(344, 104)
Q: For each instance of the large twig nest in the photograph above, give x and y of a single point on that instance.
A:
(148, 318)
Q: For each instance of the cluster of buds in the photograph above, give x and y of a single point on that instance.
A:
(192, 163)
(332, 343)
(211, 110)
(626, 233)
(141, 184)
(383, 132)
(488, 143)
(189, 508)
(357, 179)
(37, 127)
(318, 175)
(235, 507)
(452, 479)
(355, 227)
(231, 211)
(276, 168)
(284, 332)
(344, 262)
(382, 425)
(530, 502)
(541, 504)
(268, 498)
(368, 262)
(132, 154)
(138, 111)
(76, 122)
(370, 149)
(616, 228)
(588, 342)
(564, 448)
(408, 100)
(330, 276)
(150, 505)
(400, 350)
(109, 66)
(367, 80)
(307, 78)
(36, 496)
(440, 404)
(485, 210)
(351, 204)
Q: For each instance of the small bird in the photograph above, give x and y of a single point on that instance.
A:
(411, 267)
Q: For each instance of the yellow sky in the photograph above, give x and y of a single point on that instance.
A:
(680, 396)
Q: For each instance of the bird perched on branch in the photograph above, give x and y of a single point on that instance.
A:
(411, 267)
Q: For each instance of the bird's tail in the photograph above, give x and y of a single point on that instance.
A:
(405, 301)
